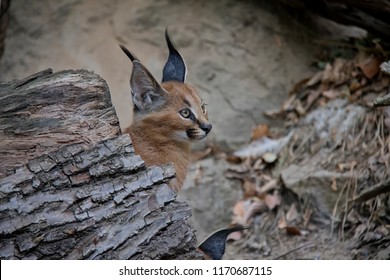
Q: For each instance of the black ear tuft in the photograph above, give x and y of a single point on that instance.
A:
(175, 68)
(128, 53)
(214, 245)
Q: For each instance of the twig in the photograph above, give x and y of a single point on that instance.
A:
(336, 207)
(385, 67)
(382, 187)
(307, 245)
(382, 101)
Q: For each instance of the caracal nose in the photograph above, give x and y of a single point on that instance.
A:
(206, 127)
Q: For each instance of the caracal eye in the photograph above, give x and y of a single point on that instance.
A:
(185, 113)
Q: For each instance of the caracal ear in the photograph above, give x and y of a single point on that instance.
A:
(214, 245)
(175, 68)
(147, 93)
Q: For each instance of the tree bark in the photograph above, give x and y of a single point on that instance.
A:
(371, 15)
(92, 198)
(46, 111)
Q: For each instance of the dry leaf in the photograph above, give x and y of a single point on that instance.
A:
(299, 108)
(311, 98)
(354, 85)
(338, 72)
(301, 85)
(334, 184)
(346, 166)
(282, 223)
(288, 104)
(273, 113)
(315, 79)
(234, 159)
(272, 200)
(293, 231)
(258, 165)
(307, 216)
(370, 66)
(243, 210)
(257, 206)
(292, 213)
(322, 102)
(265, 177)
(234, 236)
(331, 94)
(259, 132)
(239, 212)
(344, 91)
(249, 188)
(239, 168)
(267, 187)
(235, 176)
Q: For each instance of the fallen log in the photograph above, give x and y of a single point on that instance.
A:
(46, 111)
(71, 187)
(370, 15)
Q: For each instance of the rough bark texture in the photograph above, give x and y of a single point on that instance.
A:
(371, 15)
(98, 202)
(384, 100)
(92, 199)
(46, 111)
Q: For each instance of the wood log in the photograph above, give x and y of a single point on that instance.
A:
(46, 111)
(371, 15)
(82, 193)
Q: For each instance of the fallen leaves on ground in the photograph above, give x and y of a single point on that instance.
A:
(342, 78)
(357, 80)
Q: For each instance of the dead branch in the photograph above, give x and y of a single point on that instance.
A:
(385, 67)
(384, 100)
(381, 188)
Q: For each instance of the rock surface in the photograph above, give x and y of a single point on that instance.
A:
(316, 174)
(211, 196)
(242, 56)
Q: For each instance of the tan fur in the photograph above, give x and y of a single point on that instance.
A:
(158, 136)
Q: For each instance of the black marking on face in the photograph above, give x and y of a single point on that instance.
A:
(192, 133)
(187, 102)
(203, 107)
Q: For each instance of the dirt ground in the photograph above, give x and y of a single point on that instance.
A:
(243, 56)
